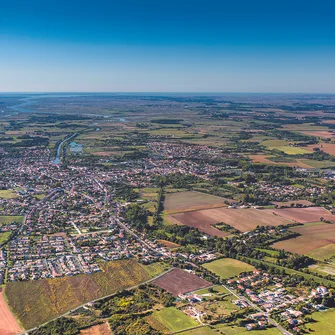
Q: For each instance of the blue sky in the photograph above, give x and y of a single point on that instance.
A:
(168, 46)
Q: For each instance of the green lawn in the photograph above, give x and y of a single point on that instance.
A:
(4, 236)
(228, 267)
(217, 289)
(8, 194)
(173, 319)
(8, 219)
(272, 253)
(325, 323)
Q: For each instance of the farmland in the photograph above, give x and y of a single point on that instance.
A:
(241, 219)
(284, 146)
(179, 281)
(228, 267)
(200, 331)
(303, 215)
(35, 302)
(312, 238)
(323, 253)
(235, 330)
(173, 320)
(190, 200)
(8, 324)
(267, 160)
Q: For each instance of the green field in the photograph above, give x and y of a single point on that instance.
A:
(323, 253)
(217, 289)
(284, 146)
(319, 280)
(234, 330)
(323, 269)
(174, 319)
(4, 236)
(200, 331)
(228, 267)
(325, 323)
(36, 302)
(318, 164)
(6, 219)
(8, 194)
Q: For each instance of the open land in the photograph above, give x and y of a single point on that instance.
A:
(241, 219)
(303, 215)
(36, 302)
(173, 319)
(312, 237)
(179, 281)
(102, 329)
(190, 200)
(228, 267)
(8, 323)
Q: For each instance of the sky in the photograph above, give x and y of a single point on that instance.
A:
(167, 46)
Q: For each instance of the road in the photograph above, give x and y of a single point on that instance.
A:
(271, 321)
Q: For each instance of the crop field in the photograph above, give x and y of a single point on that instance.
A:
(312, 238)
(8, 194)
(197, 220)
(179, 281)
(265, 159)
(190, 200)
(173, 319)
(303, 215)
(284, 146)
(323, 269)
(235, 330)
(329, 148)
(35, 302)
(241, 219)
(318, 164)
(200, 331)
(8, 324)
(323, 253)
(325, 323)
(318, 133)
(228, 267)
(296, 202)
(5, 219)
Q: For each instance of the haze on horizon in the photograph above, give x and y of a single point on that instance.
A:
(167, 46)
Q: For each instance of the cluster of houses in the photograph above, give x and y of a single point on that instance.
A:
(278, 192)
(267, 292)
(183, 150)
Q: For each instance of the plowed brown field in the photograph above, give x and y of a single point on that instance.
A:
(303, 215)
(179, 281)
(242, 219)
(312, 237)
